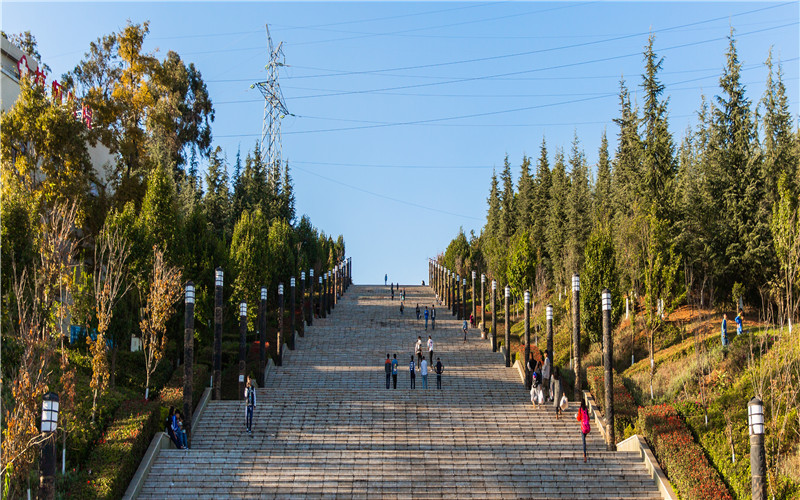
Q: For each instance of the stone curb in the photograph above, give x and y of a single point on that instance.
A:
(636, 444)
(159, 442)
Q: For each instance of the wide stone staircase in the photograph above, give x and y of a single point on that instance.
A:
(326, 426)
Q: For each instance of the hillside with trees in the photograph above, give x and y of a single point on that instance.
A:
(681, 230)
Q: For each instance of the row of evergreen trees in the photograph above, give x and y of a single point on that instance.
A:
(708, 218)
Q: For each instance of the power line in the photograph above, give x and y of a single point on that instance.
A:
(537, 51)
(426, 28)
(547, 68)
(429, 122)
(384, 18)
(333, 72)
(403, 202)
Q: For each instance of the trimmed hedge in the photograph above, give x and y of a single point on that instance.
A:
(625, 410)
(680, 456)
(119, 450)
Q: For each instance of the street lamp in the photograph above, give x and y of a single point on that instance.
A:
(242, 345)
(50, 412)
(48, 459)
(188, 354)
(758, 467)
(608, 361)
(216, 378)
(549, 332)
(576, 332)
(526, 297)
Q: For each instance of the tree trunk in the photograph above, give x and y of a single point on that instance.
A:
(113, 377)
(94, 404)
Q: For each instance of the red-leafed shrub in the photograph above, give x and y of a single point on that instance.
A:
(680, 456)
(625, 410)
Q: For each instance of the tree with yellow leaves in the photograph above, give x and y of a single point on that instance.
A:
(165, 290)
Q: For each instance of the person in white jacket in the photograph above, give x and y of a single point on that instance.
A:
(250, 404)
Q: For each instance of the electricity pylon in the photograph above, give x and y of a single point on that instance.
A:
(274, 107)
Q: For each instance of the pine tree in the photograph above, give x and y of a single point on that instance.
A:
(603, 210)
(780, 157)
(579, 203)
(493, 214)
(624, 181)
(556, 218)
(216, 201)
(507, 201)
(627, 158)
(658, 152)
(742, 243)
(287, 196)
(541, 204)
(525, 197)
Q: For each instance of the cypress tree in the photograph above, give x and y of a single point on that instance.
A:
(556, 218)
(627, 158)
(742, 243)
(493, 215)
(525, 197)
(507, 203)
(541, 204)
(216, 201)
(780, 156)
(602, 188)
(287, 196)
(658, 155)
(579, 203)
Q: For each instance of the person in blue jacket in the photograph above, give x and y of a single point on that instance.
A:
(738, 320)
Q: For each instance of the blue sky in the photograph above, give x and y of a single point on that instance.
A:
(402, 109)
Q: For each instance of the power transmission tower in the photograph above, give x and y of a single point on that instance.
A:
(274, 108)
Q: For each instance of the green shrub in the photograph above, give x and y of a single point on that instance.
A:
(117, 454)
(625, 410)
(680, 456)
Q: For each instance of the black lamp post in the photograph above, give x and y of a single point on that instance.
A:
(281, 322)
(494, 315)
(463, 298)
(262, 327)
(188, 356)
(576, 331)
(293, 288)
(216, 378)
(608, 356)
(47, 464)
(508, 325)
(311, 296)
(527, 301)
(472, 296)
(550, 331)
(242, 346)
(758, 463)
(302, 300)
(483, 306)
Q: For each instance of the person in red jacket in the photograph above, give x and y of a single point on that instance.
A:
(583, 418)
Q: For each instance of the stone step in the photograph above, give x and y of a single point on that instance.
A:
(325, 425)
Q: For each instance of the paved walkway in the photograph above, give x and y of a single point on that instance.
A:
(326, 426)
